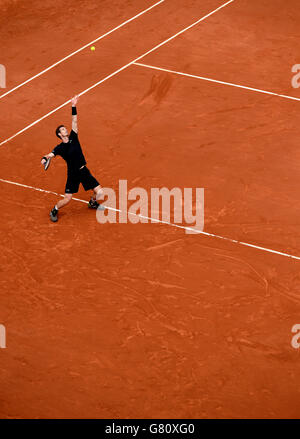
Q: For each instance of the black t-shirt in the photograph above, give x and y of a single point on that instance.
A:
(71, 152)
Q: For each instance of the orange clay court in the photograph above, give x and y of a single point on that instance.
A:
(144, 320)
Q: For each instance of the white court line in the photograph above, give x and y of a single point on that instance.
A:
(79, 50)
(115, 72)
(163, 222)
(217, 81)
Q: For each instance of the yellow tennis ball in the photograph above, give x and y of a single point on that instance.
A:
(93, 48)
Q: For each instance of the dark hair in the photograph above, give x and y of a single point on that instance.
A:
(58, 130)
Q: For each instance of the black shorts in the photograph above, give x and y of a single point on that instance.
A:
(82, 176)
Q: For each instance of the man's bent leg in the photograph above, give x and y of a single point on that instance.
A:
(66, 200)
(93, 203)
(98, 192)
(53, 213)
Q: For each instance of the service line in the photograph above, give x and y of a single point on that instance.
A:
(231, 84)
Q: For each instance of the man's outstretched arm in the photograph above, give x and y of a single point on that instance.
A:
(74, 114)
(47, 156)
(47, 159)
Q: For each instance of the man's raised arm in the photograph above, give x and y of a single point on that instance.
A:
(74, 114)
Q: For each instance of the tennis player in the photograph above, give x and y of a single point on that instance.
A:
(70, 150)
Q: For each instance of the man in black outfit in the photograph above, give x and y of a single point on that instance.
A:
(70, 150)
